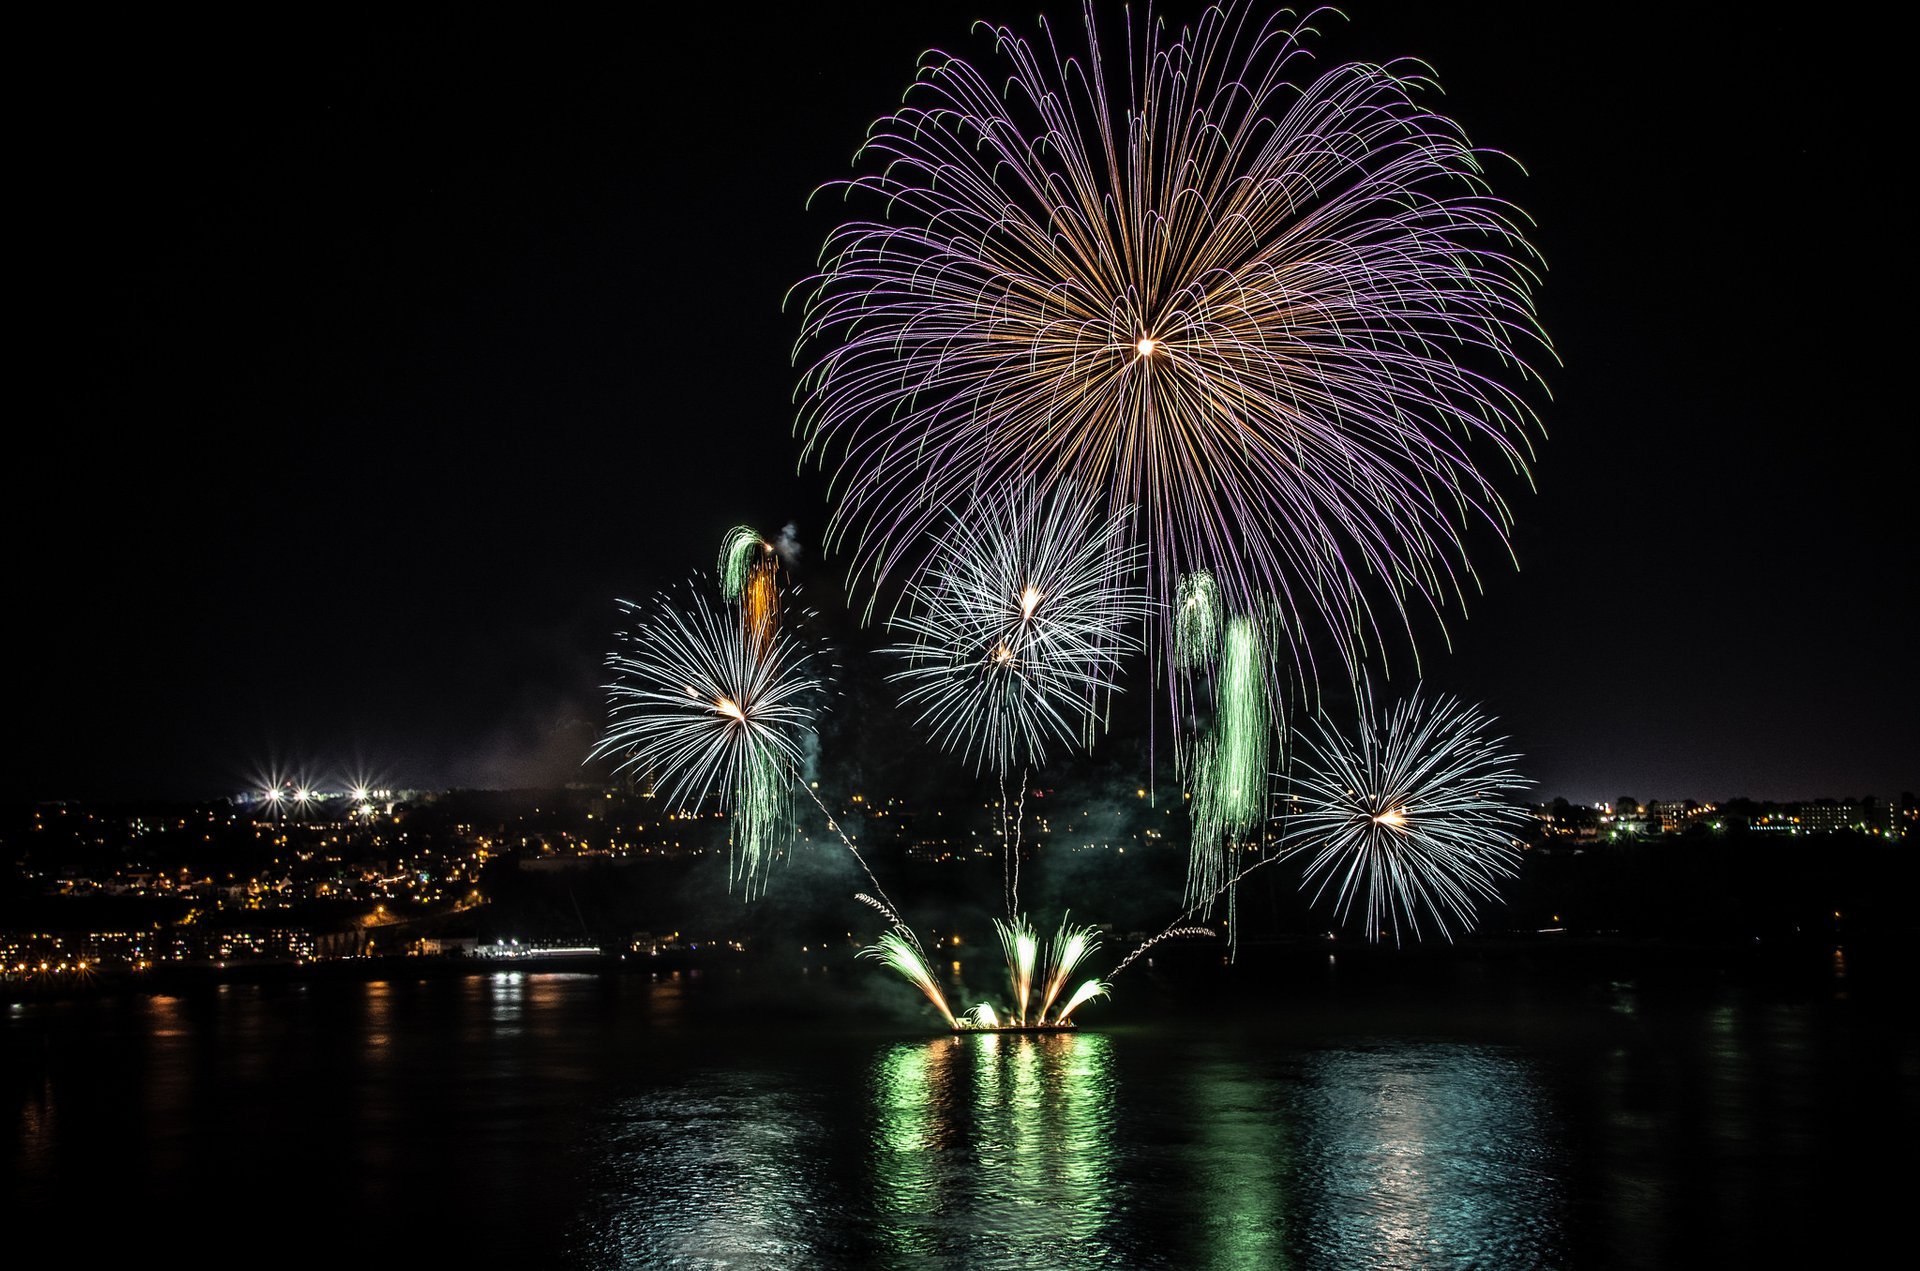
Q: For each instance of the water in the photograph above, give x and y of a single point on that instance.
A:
(1464, 1115)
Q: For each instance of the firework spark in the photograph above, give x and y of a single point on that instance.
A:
(1022, 947)
(1227, 305)
(1082, 995)
(702, 707)
(1016, 627)
(891, 949)
(1411, 815)
(1069, 949)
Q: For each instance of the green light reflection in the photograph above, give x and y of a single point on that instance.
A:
(1243, 1166)
(996, 1148)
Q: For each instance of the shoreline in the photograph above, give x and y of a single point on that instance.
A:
(1198, 960)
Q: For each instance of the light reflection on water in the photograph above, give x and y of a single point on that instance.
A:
(716, 1172)
(610, 1122)
(1085, 1150)
(995, 1147)
(1427, 1154)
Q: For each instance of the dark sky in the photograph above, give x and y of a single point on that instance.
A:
(370, 357)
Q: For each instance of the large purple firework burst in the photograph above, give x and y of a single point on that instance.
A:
(1266, 315)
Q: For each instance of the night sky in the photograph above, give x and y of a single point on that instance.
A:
(370, 357)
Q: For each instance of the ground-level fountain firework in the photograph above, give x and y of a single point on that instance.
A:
(1063, 956)
(1142, 348)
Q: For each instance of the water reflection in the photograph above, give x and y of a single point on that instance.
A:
(1417, 1155)
(717, 1172)
(508, 990)
(631, 1122)
(912, 1084)
(996, 1148)
(377, 1025)
(1241, 1155)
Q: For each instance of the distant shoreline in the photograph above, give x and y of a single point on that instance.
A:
(1624, 954)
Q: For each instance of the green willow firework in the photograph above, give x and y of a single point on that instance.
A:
(1230, 763)
(1196, 622)
(739, 552)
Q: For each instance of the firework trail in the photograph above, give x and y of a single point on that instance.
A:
(1410, 815)
(1179, 926)
(701, 707)
(1230, 304)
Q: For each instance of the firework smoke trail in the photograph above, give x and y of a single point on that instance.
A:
(704, 709)
(1070, 947)
(1230, 765)
(1022, 947)
(906, 959)
(1160, 269)
(1412, 813)
(1016, 626)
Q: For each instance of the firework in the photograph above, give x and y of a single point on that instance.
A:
(1411, 815)
(1196, 622)
(1085, 993)
(982, 1016)
(740, 550)
(749, 576)
(1230, 765)
(1016, 627)
(891, 949)
(1022, 948)
(702, 707)
(1070, 947)
(1232, 308)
